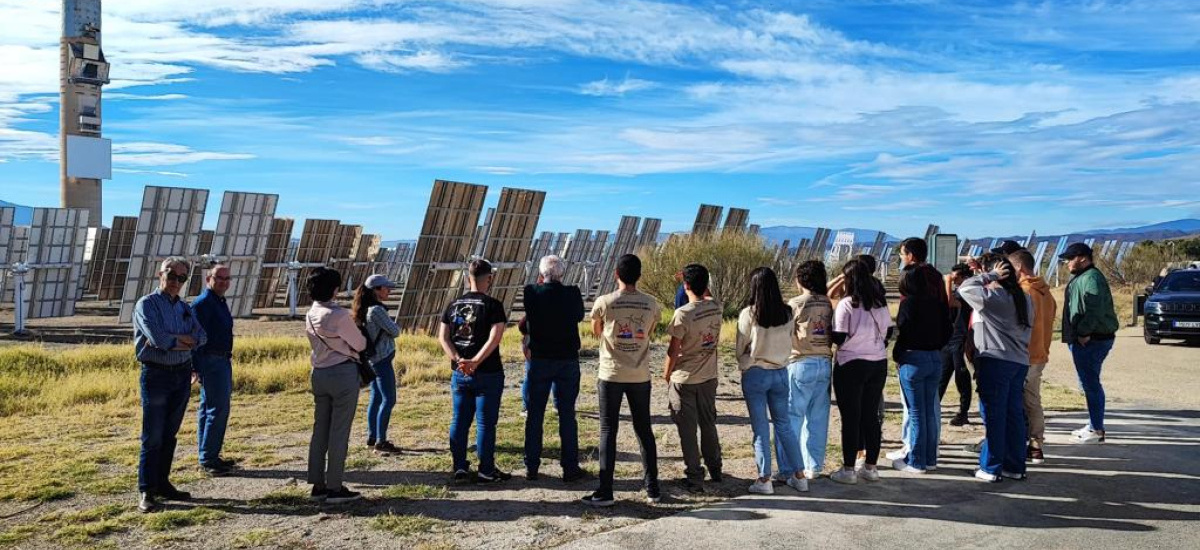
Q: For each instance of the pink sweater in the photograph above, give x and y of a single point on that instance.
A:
(334, 337)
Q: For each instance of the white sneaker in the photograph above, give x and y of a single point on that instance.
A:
(906, 468)
(798, 483)
(762, 487)
(811, 475)
(1087, 429)
(894, 455)
(868, 474)
(848, 477)
(781, 477)
(1089, 438)
(1010, 475)
(990, 478)
(860, 462)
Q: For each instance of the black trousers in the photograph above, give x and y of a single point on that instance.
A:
(859, 388)
(610, 394)
(954, 364)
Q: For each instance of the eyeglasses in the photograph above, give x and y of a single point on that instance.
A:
(223, 279)
(177, 278)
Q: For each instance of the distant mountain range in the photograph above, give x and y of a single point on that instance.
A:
(1183, 227)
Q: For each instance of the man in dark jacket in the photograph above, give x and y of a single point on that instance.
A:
(552, 315)
(1089, 327)
(212, 363)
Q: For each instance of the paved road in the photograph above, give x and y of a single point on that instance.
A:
(1140, 490)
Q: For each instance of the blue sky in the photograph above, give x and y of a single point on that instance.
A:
(984, 117)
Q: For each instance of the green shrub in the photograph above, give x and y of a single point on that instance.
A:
(729, 257)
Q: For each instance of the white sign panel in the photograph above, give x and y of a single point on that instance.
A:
(89, 157)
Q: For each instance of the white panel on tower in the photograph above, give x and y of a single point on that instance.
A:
(89, 157)
(168, 225)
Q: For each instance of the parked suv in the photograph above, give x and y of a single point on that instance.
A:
(1173, 307)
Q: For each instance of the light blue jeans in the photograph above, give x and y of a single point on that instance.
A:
(920, 375)
(766, 393)
(808, 406)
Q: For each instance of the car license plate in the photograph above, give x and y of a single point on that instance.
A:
(1187, 324)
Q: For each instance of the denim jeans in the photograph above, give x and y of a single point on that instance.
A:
(212, 415)
(1001, 387)
(383, 399)
(165, 393)
(920, 375)
(808, 405)
(560, 377)
(610, 395)
(1088, 360)
(766, 393)
(475, 398)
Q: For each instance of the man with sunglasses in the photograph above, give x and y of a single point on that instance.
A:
(213, 366)
(165, 333)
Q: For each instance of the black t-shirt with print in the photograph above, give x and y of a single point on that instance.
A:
(471, 317)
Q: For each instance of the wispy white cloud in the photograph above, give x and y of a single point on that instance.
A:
(166, 154)
(606, 88)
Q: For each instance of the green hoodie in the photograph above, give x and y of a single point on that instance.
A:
(1088, 310)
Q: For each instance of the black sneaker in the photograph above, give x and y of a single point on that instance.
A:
(653, 495)
(693, 486)
(171, 493)
(341, 496)
(495, 477)
(386, 448)
(217, 468)
(598, 500)
(319, 494)
(716, 476)
(462, 477)
(370, 443)
(574, 475)
(147, 503)
(1035, 455)
(960, 420)
(532, 475)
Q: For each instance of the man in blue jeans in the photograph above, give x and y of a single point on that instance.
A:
(165, 332)
(470, 334)
(1089, 328)
(552, 315)
(213, 366)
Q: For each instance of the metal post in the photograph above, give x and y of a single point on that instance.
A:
(18, 271)
(292, 291)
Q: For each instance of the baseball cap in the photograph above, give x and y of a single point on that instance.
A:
(378, 281)
(1076, 249)
(1007, 247)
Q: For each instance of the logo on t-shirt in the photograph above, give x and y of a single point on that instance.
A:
(708, 340)
(817, 327)
(464, 321)
(624, 331)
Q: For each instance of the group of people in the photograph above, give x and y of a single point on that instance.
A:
(832, 338)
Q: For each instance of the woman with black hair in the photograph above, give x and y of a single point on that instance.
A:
(381, 331)
(764, 344)
(861, 328)
(923, 321)
(1002, 328)
(336, 343)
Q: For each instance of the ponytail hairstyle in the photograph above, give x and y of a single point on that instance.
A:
(766, 301)
(1013, 286)
(861, 286)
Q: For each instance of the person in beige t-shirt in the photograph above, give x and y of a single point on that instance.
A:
(624, 322)
(691, 375)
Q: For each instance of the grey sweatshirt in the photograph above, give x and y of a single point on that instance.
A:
(997, 333)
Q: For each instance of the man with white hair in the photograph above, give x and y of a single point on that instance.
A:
(165, 332)
(552, 315)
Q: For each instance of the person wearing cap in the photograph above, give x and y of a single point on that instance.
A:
(371, 317)
(213, 364)
(1007, 247)
(1089, 327)
(165, 332)
(470, 334)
